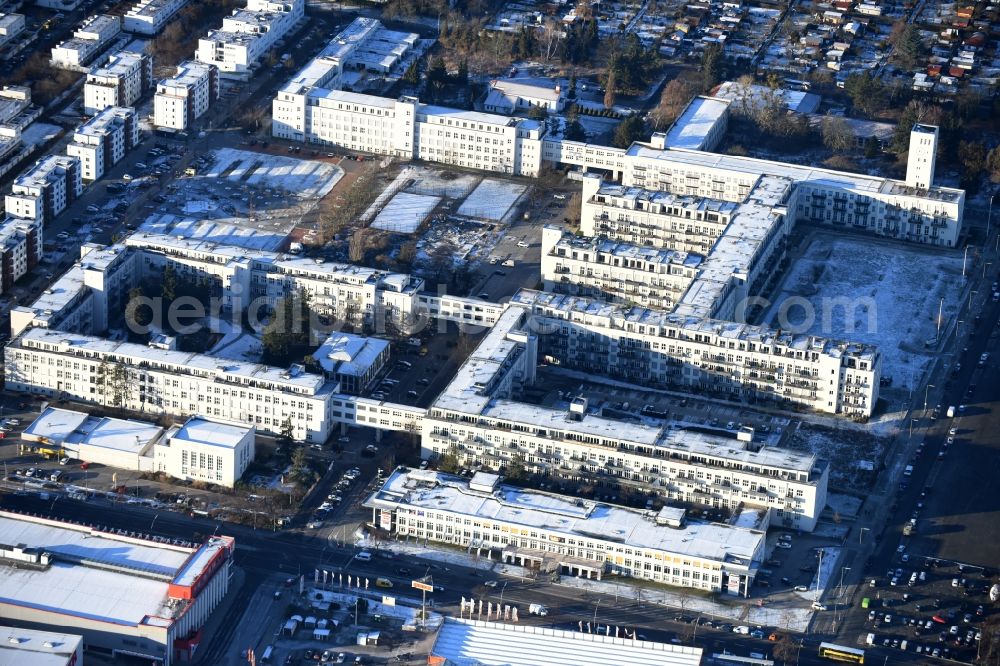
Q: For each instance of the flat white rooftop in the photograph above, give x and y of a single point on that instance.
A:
(426, 489)
(700, 117)
(212, 433)
(54, 425)
(467, 642)
(28, 647)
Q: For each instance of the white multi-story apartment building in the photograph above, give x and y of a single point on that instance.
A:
(148, 17)
(574, 537)
(248, 34)
(922, 156)
(157, 381)
(407, 128)
(183, 98)
(20, 249)
(620, 272)
(92, 37)
(104, 140)
(14, 101)
(45, 189)
(652, 217)
(11, 25)
(119, 82)
(478, 419)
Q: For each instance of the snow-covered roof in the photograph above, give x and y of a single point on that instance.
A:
(569, 516)
(29, 647)
(348, 354)
(692, 129)
(213, 433)
(467, 642)
(54, 425)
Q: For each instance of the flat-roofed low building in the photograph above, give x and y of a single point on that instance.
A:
(119, 82)
(507, 96)
(565, 534)
(120, 443)
(184, 97)
(148, 17)
(207, 450)
(701, 126)
(29, 647)
(467, 641)
(126, 596)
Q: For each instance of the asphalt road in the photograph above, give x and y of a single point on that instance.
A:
(263, 554)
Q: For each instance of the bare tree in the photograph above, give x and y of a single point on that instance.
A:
(551, 37)
(837, 134)
(358, 245)
(676, 95)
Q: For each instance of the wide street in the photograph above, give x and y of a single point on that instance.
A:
(263, 554)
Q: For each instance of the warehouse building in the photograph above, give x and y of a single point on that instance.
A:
(571, 536)
(125, 596)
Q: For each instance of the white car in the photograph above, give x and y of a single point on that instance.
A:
(784, 544)
(953, 432)
(742, 629)
(490, 583)
(818, 606)
(522, 244)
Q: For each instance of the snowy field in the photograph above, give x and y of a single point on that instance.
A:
(492, 199)
(844, 449)
(216, 231)
(306, 179)
(877, 293)
(405, 212)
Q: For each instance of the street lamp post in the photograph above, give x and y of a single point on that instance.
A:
(596, 606)
(842, 571)
(861, 534)
(926, 391)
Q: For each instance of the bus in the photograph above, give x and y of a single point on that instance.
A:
(841, 653)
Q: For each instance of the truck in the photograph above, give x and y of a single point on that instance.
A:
(908, 471)
(538, 609)
(870, 640)
(951, 411)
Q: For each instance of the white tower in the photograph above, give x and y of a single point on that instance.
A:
(920, 161)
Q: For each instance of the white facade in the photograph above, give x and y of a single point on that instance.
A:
(248, 34)
(183, 98)
(353, 361)
(575, 537)
(478, 419)
(104, 140)
(119, 82)
(38, 648)
(509, 95)
(620, 272)
(407, 128)
(922, 156)
(206, 450)
(11, 25)
(93, 35)
(21, 244)
(45, 189)
(148, 17)
(156, 381)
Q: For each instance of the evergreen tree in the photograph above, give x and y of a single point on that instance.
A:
(630, 130)
(711, 66)
(412, 74)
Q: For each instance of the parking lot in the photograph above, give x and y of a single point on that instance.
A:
(929, 606)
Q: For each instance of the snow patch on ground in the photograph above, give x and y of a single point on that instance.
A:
(217, 231)
(440, 183)
(844, 505)
(492, 199)
(843, 448)
(192, 207)
(877, 293)
(405, 212)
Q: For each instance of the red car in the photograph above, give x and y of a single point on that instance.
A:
(939, 619)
